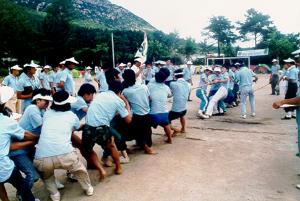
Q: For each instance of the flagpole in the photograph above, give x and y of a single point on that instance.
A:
(113, 49)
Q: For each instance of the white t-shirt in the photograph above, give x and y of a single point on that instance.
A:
(139, 79)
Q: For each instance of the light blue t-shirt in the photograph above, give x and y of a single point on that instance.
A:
(52, 78)
(232, 78)
(292, 73)
(103, 109)
(10, 81)
(9, 129)
(25, 81)
(171, 69)
(245, 77)
(57, 78)
(138, 98)
(225, 76)
(78, 106)
(203, 81)
(45, 79)
(275, 69)
(216, 86)
(149, 73)
(55, 138)
(102, 80)
(67, 78)
(159, 93)
(187, 75)
(180, 90)
(88, 78)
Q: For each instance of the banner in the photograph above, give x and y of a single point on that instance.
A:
(250, 53)
(142, 51)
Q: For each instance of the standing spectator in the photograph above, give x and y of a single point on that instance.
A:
(275, 77)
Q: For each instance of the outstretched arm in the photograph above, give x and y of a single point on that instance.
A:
(291, 101)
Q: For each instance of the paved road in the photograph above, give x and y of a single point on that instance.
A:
(220, 159)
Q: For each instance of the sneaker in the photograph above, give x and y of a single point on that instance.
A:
(89, 191)
(201, 115)
(243, 116)
(58, 184)
(298, 186)
(286, 117)
(124, 160)
(55, 197)
(253, 114)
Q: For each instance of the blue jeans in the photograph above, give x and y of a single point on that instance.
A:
(245, 92)
(22, 187)
(25, 165)
(201, 94)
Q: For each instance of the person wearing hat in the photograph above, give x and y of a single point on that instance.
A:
(138, 68)
(58, 75)
(11, 80)
(291, 76)
(101, 81)
(187, 75)
(45, 77)
(218, 91)
(275, 77)
(201, 92)
(66, 81)
(159, 94)
(121, 68)
(129, 65)
(54, 149)
(87, 76)
(98, 119)
(9, 131)
(245, 76)
(32, 121)
(27, 83)
(138, 98)
(52, 78)
(171, 68)
(148, 73)
(180, 90)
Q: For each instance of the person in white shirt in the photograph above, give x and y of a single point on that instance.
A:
(138, 68)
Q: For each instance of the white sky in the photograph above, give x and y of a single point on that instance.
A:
(190, 17)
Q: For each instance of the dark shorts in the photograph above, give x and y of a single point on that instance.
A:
(161, 119)
(176, 115)
(101, 135)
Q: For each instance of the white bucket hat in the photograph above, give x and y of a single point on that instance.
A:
(47, 66)
(70, 100)
(40, 96)
(217, 69)
(62, 62)
(72, 60)
(289, 60)
(32, 64)
(6, 93)
(189, 63)
(122, 65)
(274, 60)
(88, 68)
(16, 67)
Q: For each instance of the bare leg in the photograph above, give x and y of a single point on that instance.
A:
(148, 150)
(168, 132)
(115, 155)
(92, 159)
(182, 121)
(3, 194)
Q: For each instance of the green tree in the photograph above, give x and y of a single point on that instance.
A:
(57, 31)
(221, 29)
(190, 47)
(257, 24)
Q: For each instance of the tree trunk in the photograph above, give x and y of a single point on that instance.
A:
(255, 35)
(219, 51)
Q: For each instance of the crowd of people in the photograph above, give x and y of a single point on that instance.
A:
(41, 114)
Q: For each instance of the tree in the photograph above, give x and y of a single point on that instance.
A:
(257, 24)
(190, 47)
(221, 29)
(57, 30)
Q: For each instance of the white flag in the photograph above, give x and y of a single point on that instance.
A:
(142, 51)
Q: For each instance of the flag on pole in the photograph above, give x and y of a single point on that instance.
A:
(142, 51)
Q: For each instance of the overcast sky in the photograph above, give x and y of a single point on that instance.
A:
(190, 17)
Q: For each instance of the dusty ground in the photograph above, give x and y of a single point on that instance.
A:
(221, 159)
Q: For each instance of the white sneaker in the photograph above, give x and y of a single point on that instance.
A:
(124, 160)
(36, 199)
(253, 114)
(244, 116)
(298, 186)
(201, 115)
(58, 184)
(55, 197)
(89, 191)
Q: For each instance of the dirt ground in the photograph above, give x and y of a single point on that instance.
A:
(220, 159)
